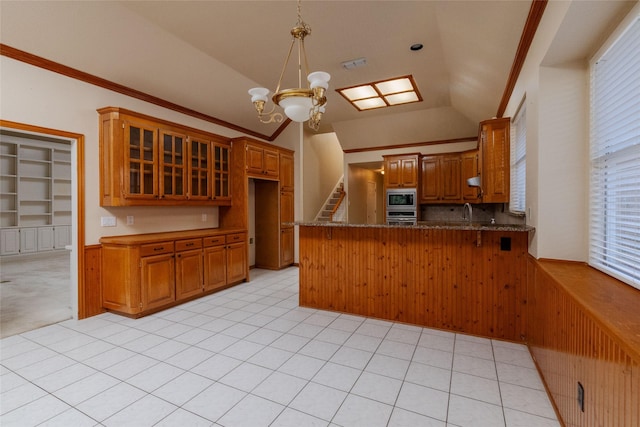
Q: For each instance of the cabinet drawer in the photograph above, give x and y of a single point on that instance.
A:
(233, 238)
(156, 249)
(184, 245)
(214, 241)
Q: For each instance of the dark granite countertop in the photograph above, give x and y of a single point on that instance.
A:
(435, 225)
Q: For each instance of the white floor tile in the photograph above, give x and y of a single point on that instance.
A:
(433, 357)
(514, 357)
(403, 418)
(346, 325)
(34, 413)
(105, 404)
(165, 350)
(215, 401)
(280, 388)
(271, 357)
(130, 367)
(144, 412)
(398, 334)
(109, 358)
(189, 358)
(155, 377)
(290, 342)
(374, 330)
(352, 357)
(388, 366)
(194, 335)
(217, 343)
(64, 377)
(475, 366)
(429, 376)
(216, 366)
(535, 402)
(522, 419)
(377, 387)
(357, 411)
(45, 367)
(465, 412)
(483, 350)
(337, 376)
(475, 388)
(246, 376)
(318, 400)
(68, 418)
(11, 380)
(423, 400)
(181, 417)
(252, 411)
(319, 349)
(85, 388)
(242, 350)
(396, 349)
(292, 418)
(19, 396)
(302, 366)
(183, 388)
(363, 342)
(513, 374)
(333, 336)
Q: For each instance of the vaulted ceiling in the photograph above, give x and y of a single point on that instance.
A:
(205, 55)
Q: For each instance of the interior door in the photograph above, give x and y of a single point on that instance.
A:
(372, 202)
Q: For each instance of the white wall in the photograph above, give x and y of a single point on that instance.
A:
(322, 168)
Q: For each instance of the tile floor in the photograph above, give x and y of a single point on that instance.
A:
(250, 356)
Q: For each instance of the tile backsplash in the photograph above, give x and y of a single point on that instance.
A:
(481, 213)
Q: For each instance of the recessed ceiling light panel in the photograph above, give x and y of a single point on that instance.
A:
(383, 93)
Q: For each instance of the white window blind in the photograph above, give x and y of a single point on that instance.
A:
(517, 198)
(614, 235)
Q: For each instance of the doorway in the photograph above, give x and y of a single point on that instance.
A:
(372, 202)
(39, 261)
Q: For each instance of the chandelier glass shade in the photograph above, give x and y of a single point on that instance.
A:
(299, 104)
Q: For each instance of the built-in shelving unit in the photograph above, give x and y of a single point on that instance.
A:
(35, 195)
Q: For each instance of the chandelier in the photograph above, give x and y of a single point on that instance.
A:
(299, 104)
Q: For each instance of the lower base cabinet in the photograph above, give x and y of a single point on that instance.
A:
(145, 273)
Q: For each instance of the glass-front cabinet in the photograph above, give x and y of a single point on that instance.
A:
(147, 161)
(199, 188)
(140, 159)
(221, 175)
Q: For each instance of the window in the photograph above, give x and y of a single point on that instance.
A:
(614, 232)
(518, 160)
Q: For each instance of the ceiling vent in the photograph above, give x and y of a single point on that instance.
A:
(354, 63)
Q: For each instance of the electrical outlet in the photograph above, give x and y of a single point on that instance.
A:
(129, 219)
(107, 221)
(204, 217)
(251, 240)
(580, 396)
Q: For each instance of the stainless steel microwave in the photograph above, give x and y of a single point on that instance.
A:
(401, 198)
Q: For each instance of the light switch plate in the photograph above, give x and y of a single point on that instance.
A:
(107, 221)
(129, 219)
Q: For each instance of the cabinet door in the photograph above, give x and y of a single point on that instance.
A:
(450, 178)
(140, 162)
(9, 241)
(392, 173)
(430, 179)
(215, 267)
(173, 165)
(188, 273)
(221, 173)
(271, 163)
(469, 170)
(286, 172)
(45, 238)
(255, 159)
(62, 236)
(409, 172)
(495, 161)
(28, 240)
(286, 207)
(157, 281)
(199, 171)
(236, 262)
(286, 246)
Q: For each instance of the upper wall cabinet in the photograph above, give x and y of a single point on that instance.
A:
(440, 179)
(470, 169)
(401, 171)
(148, 161)
(262, 162)
(494, 151)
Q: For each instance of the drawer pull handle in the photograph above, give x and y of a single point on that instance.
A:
(190, 244)
(159, 249)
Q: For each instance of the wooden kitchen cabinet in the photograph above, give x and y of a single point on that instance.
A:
(401, 171)
(189, 268)
(470, 169)
(148, 161)
(262, 161)
(286, 172)
(148, 272)
(221, 173)
(495, 158)
(440, 179)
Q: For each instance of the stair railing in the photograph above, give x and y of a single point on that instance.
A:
(338, 203)
(326, 202)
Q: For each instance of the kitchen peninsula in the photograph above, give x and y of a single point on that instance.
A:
(462, 277)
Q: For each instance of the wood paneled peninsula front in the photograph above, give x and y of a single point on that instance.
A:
(468, 278)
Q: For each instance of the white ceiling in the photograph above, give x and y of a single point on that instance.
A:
(205, 55)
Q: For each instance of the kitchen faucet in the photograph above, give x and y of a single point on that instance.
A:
(464, 212)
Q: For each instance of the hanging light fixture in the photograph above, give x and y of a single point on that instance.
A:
(299, 104)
